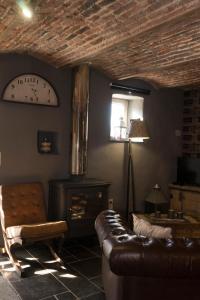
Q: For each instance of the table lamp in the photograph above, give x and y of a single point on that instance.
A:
(156, 197)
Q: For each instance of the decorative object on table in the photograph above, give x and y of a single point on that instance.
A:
(47, 142)
(180, 215)
(157, 214)
(157, 198)
(31, 89)
(171, 214)
(137, 133)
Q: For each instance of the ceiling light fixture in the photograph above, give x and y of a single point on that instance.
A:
(26, 10)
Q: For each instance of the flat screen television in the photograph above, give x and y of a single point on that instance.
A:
(188, 171)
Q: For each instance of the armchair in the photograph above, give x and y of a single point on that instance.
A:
(24, 220)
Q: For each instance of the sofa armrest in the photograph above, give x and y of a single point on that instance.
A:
(130, 255)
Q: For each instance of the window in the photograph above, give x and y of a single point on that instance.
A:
(124, 108)
(119, 119)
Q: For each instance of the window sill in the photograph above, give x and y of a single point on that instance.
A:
(119, 140)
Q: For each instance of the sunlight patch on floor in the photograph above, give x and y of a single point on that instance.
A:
(68, 275)
(25, 266)
(31, 258)
(44, 272)
(51, 261)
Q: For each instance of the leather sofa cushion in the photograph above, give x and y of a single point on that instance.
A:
(36, 230)
(142, 227)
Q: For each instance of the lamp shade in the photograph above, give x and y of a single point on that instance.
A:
(156, 196)
(138, 129)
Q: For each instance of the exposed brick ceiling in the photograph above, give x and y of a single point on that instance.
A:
(157, 40)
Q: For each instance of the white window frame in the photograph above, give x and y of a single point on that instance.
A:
(133, 109)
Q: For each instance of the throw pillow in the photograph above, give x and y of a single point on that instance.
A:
(142, 227)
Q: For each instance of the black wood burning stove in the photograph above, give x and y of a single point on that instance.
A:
(78, 202)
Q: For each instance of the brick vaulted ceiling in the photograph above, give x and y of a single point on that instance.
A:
(156, 40)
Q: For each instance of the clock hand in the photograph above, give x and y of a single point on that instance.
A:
(34, 91)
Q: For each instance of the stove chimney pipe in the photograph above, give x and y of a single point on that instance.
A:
(80, 103)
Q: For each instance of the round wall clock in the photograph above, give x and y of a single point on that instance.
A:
(32, 89)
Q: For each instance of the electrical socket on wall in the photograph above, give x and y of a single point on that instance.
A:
(110, 203)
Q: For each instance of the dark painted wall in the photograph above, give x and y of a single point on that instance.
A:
(19, 124)
(154, 162)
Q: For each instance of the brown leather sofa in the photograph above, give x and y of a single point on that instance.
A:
(138, 268)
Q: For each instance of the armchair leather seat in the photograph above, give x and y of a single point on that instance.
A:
(38, 230)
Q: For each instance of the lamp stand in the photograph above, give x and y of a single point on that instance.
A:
(130, 204)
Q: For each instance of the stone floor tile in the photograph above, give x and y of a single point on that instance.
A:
(89, 268)
(37, 287)
(98, 281)
(99, 296)
(66, 296)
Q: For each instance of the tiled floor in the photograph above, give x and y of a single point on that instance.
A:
(46, 279)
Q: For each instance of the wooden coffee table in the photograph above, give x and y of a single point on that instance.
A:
(188, 227)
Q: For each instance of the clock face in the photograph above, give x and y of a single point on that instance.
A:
(30, 88)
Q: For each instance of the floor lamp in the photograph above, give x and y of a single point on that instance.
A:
(137, 133)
